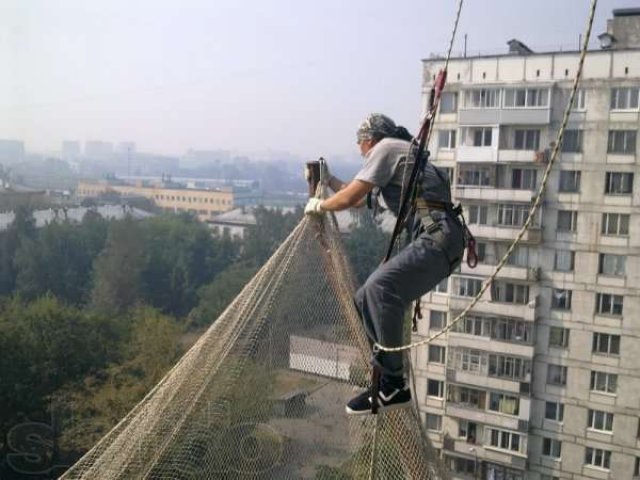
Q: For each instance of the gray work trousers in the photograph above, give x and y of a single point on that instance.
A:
(414, 271)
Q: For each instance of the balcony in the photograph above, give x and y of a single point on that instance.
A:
(504, 116)
(529, 274)
(519, 156)
(476, 379)
(498, 232)
(466, 153)
(490, 344)
(524, 312)
(467, 412)
(492, 194)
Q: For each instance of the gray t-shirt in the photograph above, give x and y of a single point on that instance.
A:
(388, 166)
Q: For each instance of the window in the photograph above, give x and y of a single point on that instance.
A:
(636, 468)
(572, 141)
(622, 142)
(523, 178)
(468, 287)
(500, 472)
(434, 422)
(510, 215)
(624, 98)
(437, 320)
(449, 102)
(608, 304)
(558, 337)
(551, 447)
(606, 343)
(467, 430)
(526, 97)
(569, 181)
(509, 292)
(519, 257)
(443, 286)
(482, 98)
(447, 139)
(474, 325)
(597, 457)
(580, 101)
(599, 420)
(504, 403)
(567, 220)
(564, 260)
(509, 367)
(560, 299)
(436, 354)
(469, 397)
(526, 140)
(554, 411)
(482, 136)
(504, 440)
(435, 388)
(615, 224)
(612, 265)
(462, 465)
(618, 183)
(474, 176)
(604, 382)
(512, 330)
(469, 360)
(477, 215)
(556, 375)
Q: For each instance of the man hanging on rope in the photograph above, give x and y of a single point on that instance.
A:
(436, 248)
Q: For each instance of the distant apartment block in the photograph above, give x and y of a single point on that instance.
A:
(541, 380)
(11, 151)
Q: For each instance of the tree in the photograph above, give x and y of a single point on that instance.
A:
(366, 246)
(21, 229)
(272, 227)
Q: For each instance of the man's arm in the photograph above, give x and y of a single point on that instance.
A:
(351, 195)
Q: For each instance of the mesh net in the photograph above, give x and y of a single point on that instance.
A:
(261, 395)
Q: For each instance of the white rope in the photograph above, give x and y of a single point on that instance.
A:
(534, 208)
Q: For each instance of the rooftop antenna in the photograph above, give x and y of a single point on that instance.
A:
(465, 46)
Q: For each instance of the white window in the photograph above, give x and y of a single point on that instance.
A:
(509, 367)
(569, 181)
(504, 403)
(599, 420)
(622, 142)
(449, 102)
(506, 292)
(526, 140)
(597, 457)
(437, 320)
(477, 215)
(519, 257)
(558, 337)
(467, 430)
(469, 360)
(624, 98)
(434, 422)
(510, 215)
(482, 98)
(580, 102)
(474, 175)
(523, 178)
(526, 97)
(608, 304)
(619, 183)
(504, 440)
(474, 325)
(606, 343)
(615, 224)
(468, 287)
(556, 374)
(612, 265)
(435, 388)
(437, 354)
(554, 411)
(567, 221)
(482, 136)
(564, 260)
(551, 447)
(512, 330)
(572, 141)
(560, 299)
(604, 382)
(443, 286)
(447, 139)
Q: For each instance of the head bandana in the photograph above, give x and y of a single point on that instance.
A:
(376, 126)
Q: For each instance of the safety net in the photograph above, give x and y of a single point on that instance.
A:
(261, 395)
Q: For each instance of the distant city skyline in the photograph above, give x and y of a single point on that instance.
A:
(246, 76)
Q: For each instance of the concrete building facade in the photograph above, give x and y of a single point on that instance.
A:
(542, 379)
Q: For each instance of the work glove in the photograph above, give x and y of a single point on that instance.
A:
(313, 207)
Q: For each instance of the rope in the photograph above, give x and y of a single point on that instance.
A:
(534, 208)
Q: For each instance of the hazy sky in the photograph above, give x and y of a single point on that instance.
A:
(248, 75)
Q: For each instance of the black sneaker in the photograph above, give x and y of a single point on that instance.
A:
(389, 398)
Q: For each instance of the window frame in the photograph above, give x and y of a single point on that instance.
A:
(616, 185)
(552, 448)
(624, 95)
(561, 375)
(605, 344)
(591, 458)
(610, 383)
(572, 185)
(600, 421)
(619, 230)
(563, 336)
(557, 413)
(614, 302)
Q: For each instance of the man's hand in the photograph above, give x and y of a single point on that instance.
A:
(314, 207)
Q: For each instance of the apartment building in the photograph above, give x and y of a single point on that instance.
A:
(542, 379)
